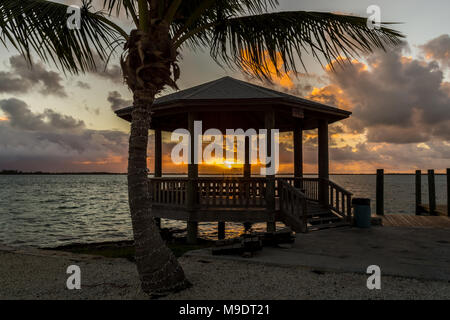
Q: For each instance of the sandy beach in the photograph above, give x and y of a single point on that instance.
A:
(38, 274)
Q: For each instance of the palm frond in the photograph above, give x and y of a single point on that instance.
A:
(40, 26)
(193, 14)
(247, 40)
(115, 7)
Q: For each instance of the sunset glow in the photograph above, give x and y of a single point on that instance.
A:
(280, 77)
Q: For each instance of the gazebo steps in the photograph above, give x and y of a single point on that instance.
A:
(320, 218)
(328, 226)
(325, 220)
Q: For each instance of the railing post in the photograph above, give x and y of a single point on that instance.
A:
(448, 192)
(380, 192)
(431, 192)
(418, 191)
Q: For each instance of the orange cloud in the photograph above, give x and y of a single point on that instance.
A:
(109, 160)
(275, 71)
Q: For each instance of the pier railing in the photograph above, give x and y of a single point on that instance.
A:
(309, 186)
(168, 191)
(339, 200)
(231, 192)
(234, 192)
(293, 206)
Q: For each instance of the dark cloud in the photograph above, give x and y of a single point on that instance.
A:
(438, 49)
(22, 77)
(50, 141)
(21, 117)
(117, 102)
(395, 99)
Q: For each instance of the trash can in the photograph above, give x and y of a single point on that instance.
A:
(361, 212)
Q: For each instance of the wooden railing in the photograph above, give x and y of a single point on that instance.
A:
(231, 192)
(293, 206)
(234, 192)
(168, 191)
(339, 200)
(309, 186)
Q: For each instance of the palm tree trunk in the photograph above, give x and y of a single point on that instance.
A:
(159, 271)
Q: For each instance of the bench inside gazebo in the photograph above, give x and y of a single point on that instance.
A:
(301, 203)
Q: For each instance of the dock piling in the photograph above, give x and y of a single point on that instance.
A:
(418, 192)
(380, 192)
(448, 192)
(192, 231)
(431, 192)
(221, 230)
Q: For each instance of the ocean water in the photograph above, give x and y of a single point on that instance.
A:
(53, 210)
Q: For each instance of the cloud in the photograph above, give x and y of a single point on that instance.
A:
(394, 99)
(23, 77)
(117, 102)
(83, 85)
(21, 117)
(50, 141)
(438, 49)
(401, 112)
(112, 72)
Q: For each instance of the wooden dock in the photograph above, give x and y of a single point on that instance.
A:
(403, 220)
(441, 210)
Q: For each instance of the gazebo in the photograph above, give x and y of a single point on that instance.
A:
(227, 103)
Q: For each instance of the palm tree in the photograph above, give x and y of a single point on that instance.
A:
(239, 33)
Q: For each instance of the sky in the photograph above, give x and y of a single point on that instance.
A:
(400, 101)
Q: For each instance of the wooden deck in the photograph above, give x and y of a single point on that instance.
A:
(403, 220)
(441, 210)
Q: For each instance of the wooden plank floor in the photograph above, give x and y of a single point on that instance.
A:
(403, 220)
(441, 210)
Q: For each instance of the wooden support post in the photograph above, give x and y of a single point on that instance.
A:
(323, 162)
(158, 162)
(247, 165)
(270, 179)
(418, 192)
(158, 153)
(192, 231)
(298, 155)
(221, 230)
(191, 188)
(380, 192)
(448, 192)
(192, 166)
(271, 227)
(431, 192)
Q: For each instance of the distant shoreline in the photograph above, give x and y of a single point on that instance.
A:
(18, 173)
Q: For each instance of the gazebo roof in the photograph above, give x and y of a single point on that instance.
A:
(231, 95)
